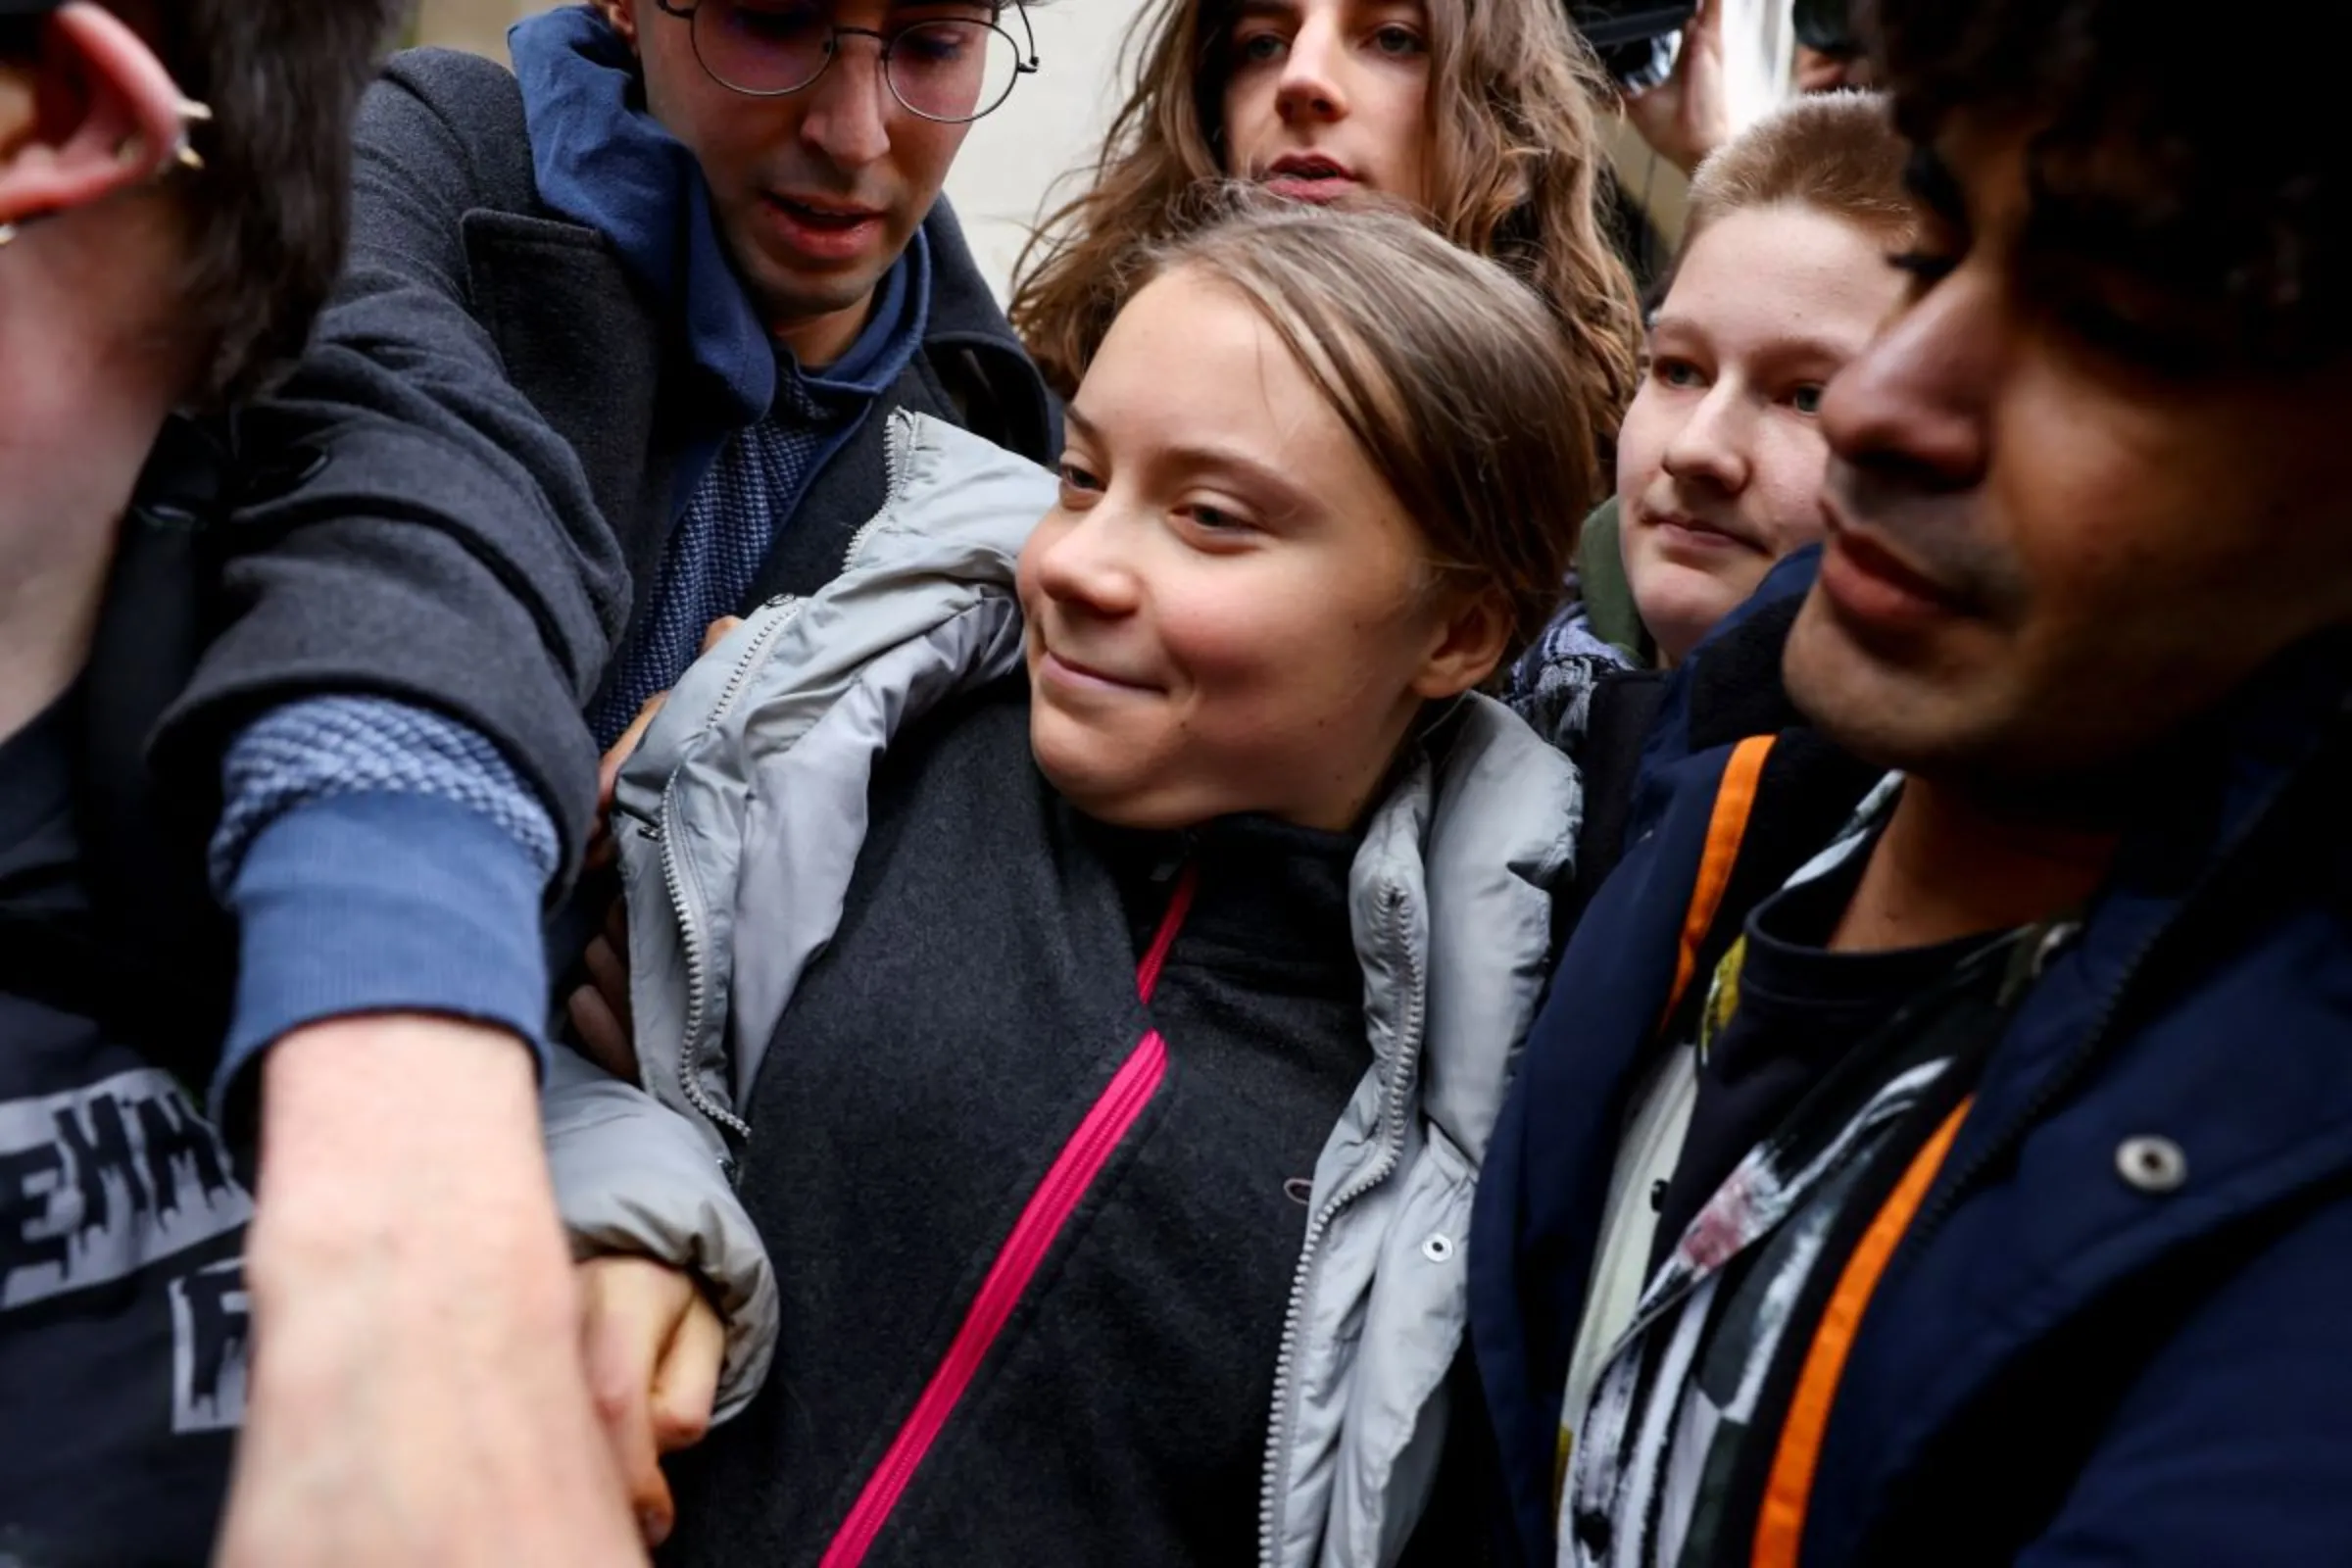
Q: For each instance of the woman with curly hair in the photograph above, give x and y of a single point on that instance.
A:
(1479, 115)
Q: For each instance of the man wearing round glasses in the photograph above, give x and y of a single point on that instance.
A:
(622, 330)
(824, 131)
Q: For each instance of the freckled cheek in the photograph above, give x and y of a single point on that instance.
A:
(1229, 644)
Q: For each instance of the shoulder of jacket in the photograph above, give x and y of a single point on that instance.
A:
(479, 104)
(1500, 772)
(457, 82)
(944, 482)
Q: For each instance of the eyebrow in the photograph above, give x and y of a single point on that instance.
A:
(1283, 492)
(1791, 348)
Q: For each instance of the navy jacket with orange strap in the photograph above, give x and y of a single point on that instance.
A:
(2081, 1351)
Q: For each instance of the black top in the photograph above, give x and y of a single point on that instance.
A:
(1801, 1009)
(979, 997)
(121, 1304)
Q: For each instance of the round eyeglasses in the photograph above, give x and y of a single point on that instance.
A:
(949, 69)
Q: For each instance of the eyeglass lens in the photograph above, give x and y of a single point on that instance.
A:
(941, 69)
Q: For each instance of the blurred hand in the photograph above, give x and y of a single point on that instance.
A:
(1688, 115)
(653, 1346)
(608, 773)
(600, 1010)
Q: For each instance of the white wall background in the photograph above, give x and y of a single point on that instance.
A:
(1052, 123)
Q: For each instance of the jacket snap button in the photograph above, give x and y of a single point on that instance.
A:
(1438, 1249)
(2152, 1164)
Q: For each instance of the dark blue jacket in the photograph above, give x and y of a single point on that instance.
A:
(2059, 1366)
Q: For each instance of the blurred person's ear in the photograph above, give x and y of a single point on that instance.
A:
(623, 14)
(90, 113)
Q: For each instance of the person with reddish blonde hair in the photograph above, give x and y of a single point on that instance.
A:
(1780, 278)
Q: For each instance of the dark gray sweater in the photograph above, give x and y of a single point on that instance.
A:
(979, 996)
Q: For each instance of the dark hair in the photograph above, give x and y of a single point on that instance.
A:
(269, 215)
(2219, 190)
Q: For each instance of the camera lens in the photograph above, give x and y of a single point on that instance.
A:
(1827, 27)
(1636, 40)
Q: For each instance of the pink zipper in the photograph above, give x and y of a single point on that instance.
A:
(1049, 1208)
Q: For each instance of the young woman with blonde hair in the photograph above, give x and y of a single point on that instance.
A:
(1479, 116)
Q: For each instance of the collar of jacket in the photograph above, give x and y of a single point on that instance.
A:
(1607, 591)
(604, 161)
(2202, 1003)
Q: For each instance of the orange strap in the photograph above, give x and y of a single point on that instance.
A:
(1734, 801)
(1781, 1524)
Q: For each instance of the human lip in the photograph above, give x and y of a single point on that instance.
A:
(1682, 529)
(1069, 673)
(1872, 586)
(1310, 178)
(822, 228)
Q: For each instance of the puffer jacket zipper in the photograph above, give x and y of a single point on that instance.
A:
(1403, 1069)
(1041, 1223)
(685, 910)
(898, 453)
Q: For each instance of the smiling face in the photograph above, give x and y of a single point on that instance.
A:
(818, 192)
(1720, 459)
(1327, 98)
(1228, 611)
(2062, 520)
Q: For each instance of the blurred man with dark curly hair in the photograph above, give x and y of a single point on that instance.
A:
(1936, 1149)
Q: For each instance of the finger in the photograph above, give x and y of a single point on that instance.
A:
(656, 1511)
(686, 1384)
(603, 1036)
(608, 772)
(610, 973)
(602, 847)
(719, 631)
(624, 1323)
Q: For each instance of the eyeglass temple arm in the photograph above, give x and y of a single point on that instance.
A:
(1028, 66)
(1022, 68)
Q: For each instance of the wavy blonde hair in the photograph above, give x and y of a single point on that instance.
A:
(1514, 98)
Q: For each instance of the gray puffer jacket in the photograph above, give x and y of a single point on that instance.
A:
(761, 760)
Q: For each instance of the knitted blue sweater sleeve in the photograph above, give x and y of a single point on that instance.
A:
(379, 857)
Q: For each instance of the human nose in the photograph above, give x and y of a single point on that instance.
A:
(849, 105)
(1914, 403)
(1713, 446)
(1084, 565)
(1313, 86)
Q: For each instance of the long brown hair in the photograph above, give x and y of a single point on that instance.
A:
(1517, 158)
(1445, 367)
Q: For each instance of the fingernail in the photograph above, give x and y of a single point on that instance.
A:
(654, 1526)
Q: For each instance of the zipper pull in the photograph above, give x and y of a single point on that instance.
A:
(1177, 857)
